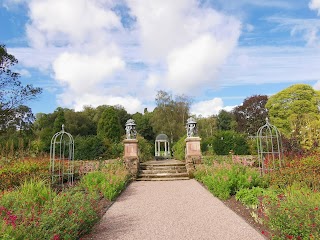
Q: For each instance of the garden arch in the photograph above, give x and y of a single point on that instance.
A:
(162, 147)
(61, 158)
(269, 148)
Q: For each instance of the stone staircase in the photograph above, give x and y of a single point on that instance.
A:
(163, 170)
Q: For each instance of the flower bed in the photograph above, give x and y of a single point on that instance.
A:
(36, 211)
(287, 201)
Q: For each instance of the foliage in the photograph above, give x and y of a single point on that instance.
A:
(298, 169)
(225, 141)
(294, 214)
(146, 150)
(170, 115)
(251, 115)
(206, 146)
(13, 94)
(113, 149)
(88, 147)
(108, 182)
(249, 197)
(179, 148)
(109, 125)
(207, 126)
(79, 123)
(225, 121)
(292, 107)
(143, 126)
(35, 211)
(224, 180)
(15, 173)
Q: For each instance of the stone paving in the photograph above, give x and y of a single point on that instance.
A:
(171, 210)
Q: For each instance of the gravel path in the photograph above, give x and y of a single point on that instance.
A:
(171, 210)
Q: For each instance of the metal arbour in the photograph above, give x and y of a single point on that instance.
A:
(62, 158)
(269, 148)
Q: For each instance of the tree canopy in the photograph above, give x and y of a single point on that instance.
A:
(291, 107)
(251, 115)
(170, 115)
(13, 94)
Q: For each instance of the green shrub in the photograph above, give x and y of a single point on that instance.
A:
(16, 173)
(295, 214)
(225, 141)
(35, 211)
(224, 180)
(108, 182)
(179, 148)
(298, 169)
(249, 197)
(146, 150)
(88, 147)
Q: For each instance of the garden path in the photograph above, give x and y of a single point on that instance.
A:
(171, 210)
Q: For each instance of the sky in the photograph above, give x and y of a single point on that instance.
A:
(95, 52)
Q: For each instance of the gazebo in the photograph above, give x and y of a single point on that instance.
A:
(162, 147)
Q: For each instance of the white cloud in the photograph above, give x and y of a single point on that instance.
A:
(209, 107)
(190, 41)
(85, 72)
(131, 104)
(315, 5)
(195, 65)
(309, 29)
(181, 45)
(61, 22)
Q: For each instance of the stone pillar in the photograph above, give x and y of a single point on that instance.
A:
(131, 158)
(193, 154)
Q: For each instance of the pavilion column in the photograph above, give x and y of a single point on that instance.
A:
(165, 148)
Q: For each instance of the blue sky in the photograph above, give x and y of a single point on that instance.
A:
(94, 52)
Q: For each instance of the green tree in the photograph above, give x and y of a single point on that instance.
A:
(170, 115)
(251, 115)
(109, 126)
(225, 121)
(292, 107)
(13, 94)
(59, 119)
(207, 126)
(144, 127)
(79, 123)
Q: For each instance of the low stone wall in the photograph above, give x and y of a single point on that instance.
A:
(246, 160)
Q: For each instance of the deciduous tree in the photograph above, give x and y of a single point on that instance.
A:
(13, 93)
(289, 108)
(251, 115)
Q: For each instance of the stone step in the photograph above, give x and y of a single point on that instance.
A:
(154, 171)
(163, 175)
(163, 179)
(152, 167)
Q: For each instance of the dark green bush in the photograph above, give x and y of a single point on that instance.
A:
(225, 141)
(179, 148)
(146, 149)
(88, 147)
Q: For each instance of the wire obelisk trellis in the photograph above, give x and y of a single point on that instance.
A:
(61, 158)
(269, 148)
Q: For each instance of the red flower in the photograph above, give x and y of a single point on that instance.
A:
(56, 237)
